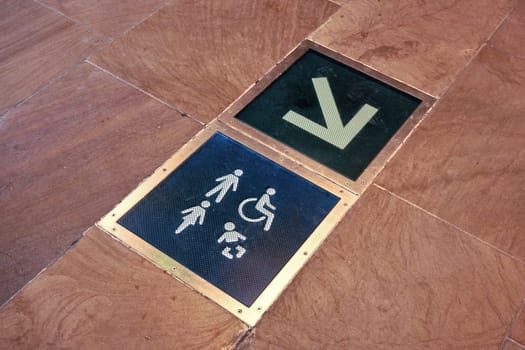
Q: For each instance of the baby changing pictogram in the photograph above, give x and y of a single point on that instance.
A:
(230, 215)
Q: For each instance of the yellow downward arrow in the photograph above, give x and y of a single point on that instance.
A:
(335, 132)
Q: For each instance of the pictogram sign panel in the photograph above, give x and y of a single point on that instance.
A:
(230, 216)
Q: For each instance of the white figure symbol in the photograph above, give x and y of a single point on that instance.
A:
(261, 206)
(231, 236)
(195, 214)
(227, 252)
(228, 181)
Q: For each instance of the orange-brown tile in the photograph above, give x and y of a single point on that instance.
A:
(201, 55)
(511, 36)
(391, 277)
(466, 162)
(422, 43)
(108, 17)
(36, 45)
(510, 345)
(68, 156)
(518, 328)
(101, 295)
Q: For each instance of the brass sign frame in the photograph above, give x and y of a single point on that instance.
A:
(249, 315)
(366, 178)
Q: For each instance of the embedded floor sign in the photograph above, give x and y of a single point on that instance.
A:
(231, 216)
(330, 112)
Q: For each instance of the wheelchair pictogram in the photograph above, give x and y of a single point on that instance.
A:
(261, 205)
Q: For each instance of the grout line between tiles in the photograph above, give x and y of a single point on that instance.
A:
(244, 339)
(47, 266)
(85, 26)
(510, 340)
(159, 7)
(437, 96)
(311, 38)
(448, 223)
(169, 105)
(111, 39)
(3, 117)
(476, 54)
(324, 24)
(42, 87)
(515, 318)
(508, 330)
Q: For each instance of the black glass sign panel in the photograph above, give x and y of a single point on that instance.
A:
(231, 216)
(330, 112)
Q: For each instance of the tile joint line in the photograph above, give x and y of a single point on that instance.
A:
(522, 346)
(173, 107)
(85, 26)
(476, 54)
(508, 331)
(46, 267)
(448, 223)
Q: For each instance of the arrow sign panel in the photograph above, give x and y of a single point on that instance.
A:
(335, 132)
(342, 121)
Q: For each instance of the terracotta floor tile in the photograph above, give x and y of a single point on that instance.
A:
(109, 17)
(509, 345)
(511, 36)
(36, 45)
(518, 329)
(67, 156)
(422, 43)
(101, 295)
(201, 55)
(393, 277)
(466, 162)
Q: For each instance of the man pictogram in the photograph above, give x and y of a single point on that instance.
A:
(228, 181)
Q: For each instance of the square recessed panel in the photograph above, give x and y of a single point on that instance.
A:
(229, 220)
(330, 112)
(231, 216)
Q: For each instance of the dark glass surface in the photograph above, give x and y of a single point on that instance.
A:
(300, 207)
(351, 89)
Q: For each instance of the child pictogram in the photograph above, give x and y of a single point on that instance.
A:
(232, 236)
(195, 214)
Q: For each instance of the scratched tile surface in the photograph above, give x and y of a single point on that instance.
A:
(201, 55)
(101, 295)
(108, 17)
(393, 277)
(68, 156)
(422, 43)
(466, 162)
(511, 36)
(518, 328)
(509, 345)
(36, 45)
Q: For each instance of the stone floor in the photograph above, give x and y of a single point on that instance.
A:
(97, 94)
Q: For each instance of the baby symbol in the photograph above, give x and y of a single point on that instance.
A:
(231, 236)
